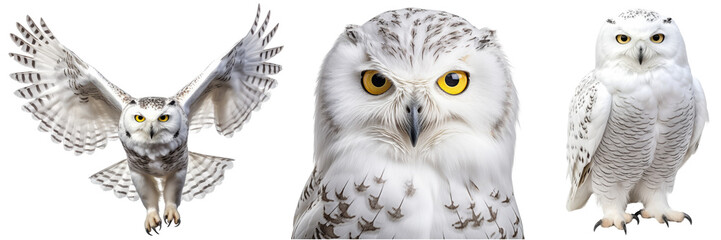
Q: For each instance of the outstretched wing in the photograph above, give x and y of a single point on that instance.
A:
(232, 87)
(587, 118)
(72, 100)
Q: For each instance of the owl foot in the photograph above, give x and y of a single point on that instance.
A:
(618, 221)
(668, 215)
(171, 214)
(152, 220)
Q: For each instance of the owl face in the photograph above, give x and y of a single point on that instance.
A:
(412, 79)
(639, 40)
(152, 120)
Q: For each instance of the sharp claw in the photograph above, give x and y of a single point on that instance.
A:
(165, 218)
(686, 216)
(148, 232)
(178, 224)
(623, 224)
(171, 221)
(156, 231)
(635, 216)
(597, 224)
(665, 219)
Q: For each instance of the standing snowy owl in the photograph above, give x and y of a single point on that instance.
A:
(82, 110)
(414, 133)
(635, 120)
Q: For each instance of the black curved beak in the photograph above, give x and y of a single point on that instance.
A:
(640, 56)
(151, 132)
(414, 124)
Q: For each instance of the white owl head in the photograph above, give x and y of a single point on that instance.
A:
(152, 120)
(413, 79)
(640, 40)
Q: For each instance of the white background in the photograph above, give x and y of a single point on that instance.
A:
(153, 49)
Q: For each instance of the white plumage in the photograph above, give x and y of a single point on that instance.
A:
(414, 135)
(82, 110)
(634, 120)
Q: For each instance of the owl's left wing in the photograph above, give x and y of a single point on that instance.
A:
(700, 119)
(232, 87)
(72, 100)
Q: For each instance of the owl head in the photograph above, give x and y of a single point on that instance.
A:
(152, 121)
(640, 40)
(411, 81)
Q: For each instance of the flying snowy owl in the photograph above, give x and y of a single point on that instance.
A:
(82, 110)
(414, 133)
(634, 120)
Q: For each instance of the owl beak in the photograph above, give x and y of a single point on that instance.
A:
(151, 132)
(414, 125)
(640, 56)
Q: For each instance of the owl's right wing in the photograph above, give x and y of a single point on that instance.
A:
(72, 100)
(228, 91)
(588, 114)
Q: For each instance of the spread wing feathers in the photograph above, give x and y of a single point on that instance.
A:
(117, 178)
(701, 118)
(204, 173)
(588, 114)
(232, 87)
(73, 101)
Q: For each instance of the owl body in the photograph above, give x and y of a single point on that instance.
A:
(166, 150)
(635, 119)
(405, 153)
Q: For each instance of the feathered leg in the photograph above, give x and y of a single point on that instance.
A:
(147, 188)
(655, 205)
(614, 211)
(172, 191)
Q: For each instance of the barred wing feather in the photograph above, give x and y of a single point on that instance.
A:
(72, 100)
(232, 87)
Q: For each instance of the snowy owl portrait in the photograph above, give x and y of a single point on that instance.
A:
(82, 111)
(414, 133)
(634, 120)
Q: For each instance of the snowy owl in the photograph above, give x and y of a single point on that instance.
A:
(414, 133)
(82, 110)
(634, 120)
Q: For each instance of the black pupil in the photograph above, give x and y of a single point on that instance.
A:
(452, 79)
(656, 37)
(623, 38)
(378, 80)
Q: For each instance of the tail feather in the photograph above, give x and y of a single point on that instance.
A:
(117, 178)
(204, 173)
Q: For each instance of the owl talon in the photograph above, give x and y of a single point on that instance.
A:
(686, 216)
(178, 224)
(665, 219)
(635, 216)
(597, 224)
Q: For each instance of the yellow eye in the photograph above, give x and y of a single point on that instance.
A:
(453, 82)
(139, 118)
(163, 118)
(622, 39)
(374, 82)
(657, 38)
